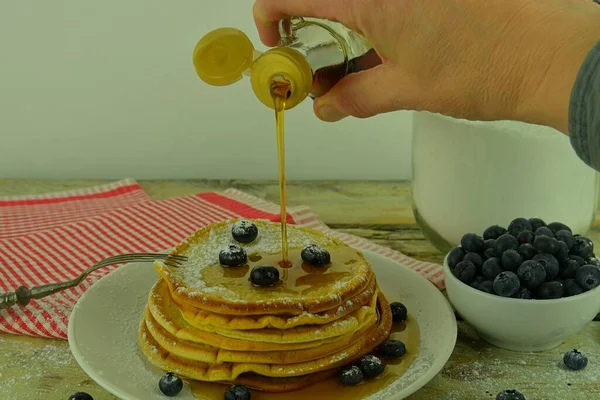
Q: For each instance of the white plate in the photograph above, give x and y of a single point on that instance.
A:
(103, 330)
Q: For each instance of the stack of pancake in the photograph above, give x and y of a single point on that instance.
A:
(208, 322)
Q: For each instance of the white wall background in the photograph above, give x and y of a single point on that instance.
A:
(106, 89)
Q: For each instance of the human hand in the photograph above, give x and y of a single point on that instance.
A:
(483, 60)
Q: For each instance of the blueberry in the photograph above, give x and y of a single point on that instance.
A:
(579, 260)
(575, 359)
(455, 256)
(527, 251)
(525, 237)
(532, 274)
(465, 271)
(392, 348)
(170, 384)
(566, 237)
(264, 276)
(476, 281)
(550, 264)
(351, 376)
(489, 253)
(563, 252)
(487, 287)
(550, 290)
(399, 311)
(489, 243)
(523, 293)
(519, 225)
(371, 366)
(506, 284)
(582, 247)
(572, 288)
(506, 242)
(491, 268)
(475, 259)
(545, 244)
(511, 259)
(510, 394)
(588, 276)
(472, 243)
(244, 231)
(81, 396)
(536, 223)
(557, 226)
(493, 232)
(315, 255)
(593, 261)
(570, 269)
(237, 392)
(543, 231)
(232, 256)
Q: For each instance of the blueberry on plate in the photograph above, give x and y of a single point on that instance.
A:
(506, 284)
(493, 232)
(244, 231)
(237, 392)
(475, 259)
(550, 290)
(588, 276)
(545, 244)
(81, 396)
(399, 311)
(566, 237)
(506, 242)
(265, 275)
(233, 256)
(465, 271)
(536, 223)
(582, 247)
(519, 225)
(472, 243)
(511, 259)
(543, 231)
(393, 348)
(455, 256)
(569, 269)
(523, 293)
(315, 255)
(491, 268)
(550, 264)
(572, 288)
(510, 394)
(527, 251)
(487, 287)
(525, 237)
(576, 360)
(170, 384)
(558, 226)
(351, 376)
(532, 274)
(371, 366)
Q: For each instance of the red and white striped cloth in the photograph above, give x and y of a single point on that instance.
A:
(51, 238)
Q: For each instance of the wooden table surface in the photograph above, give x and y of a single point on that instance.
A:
(36, 369)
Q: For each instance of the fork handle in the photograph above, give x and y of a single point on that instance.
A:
(23, 295)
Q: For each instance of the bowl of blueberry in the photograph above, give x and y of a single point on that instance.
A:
(526, 287)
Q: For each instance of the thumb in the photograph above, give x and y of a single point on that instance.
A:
(363, 94)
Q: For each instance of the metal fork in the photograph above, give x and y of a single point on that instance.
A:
(23, 295)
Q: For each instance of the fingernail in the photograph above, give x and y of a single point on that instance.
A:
(330, 114)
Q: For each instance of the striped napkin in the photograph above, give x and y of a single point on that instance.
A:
(55, 237)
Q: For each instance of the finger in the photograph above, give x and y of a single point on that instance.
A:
(362, 95)
(268, 13)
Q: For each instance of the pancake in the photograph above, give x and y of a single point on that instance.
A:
(203, 283)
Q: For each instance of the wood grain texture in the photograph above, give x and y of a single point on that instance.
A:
(34, 368)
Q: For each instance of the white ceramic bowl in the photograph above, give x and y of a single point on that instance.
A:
(518, 324)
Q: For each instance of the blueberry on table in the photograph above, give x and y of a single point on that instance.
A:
(510, 394)
(264, 276)
(527, 251)
(371, 366)
(393, 348)
(455, 256)
(81, 396)
(583, 247)
(465, 271)
(569, 269)
(523, 293)
(550, 264)
(525, 237)
(170, 384)
(487, 287)
(244, 231)
(576, 360)
(588, 276)
(506, 242)
(351, 376)
(315, 255)
(472, 243)
(475, 259)
(491, 268)
(558, 226)
(511, 259)
(572, 288)
(506, 284)
(519, 225)
(493, 232)
(543, 231)
(237, 392)
(233, 256)
(532, 274)
(536, 223)
(550, 290)
(399, 311)
(545, 244)
(566, 237)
